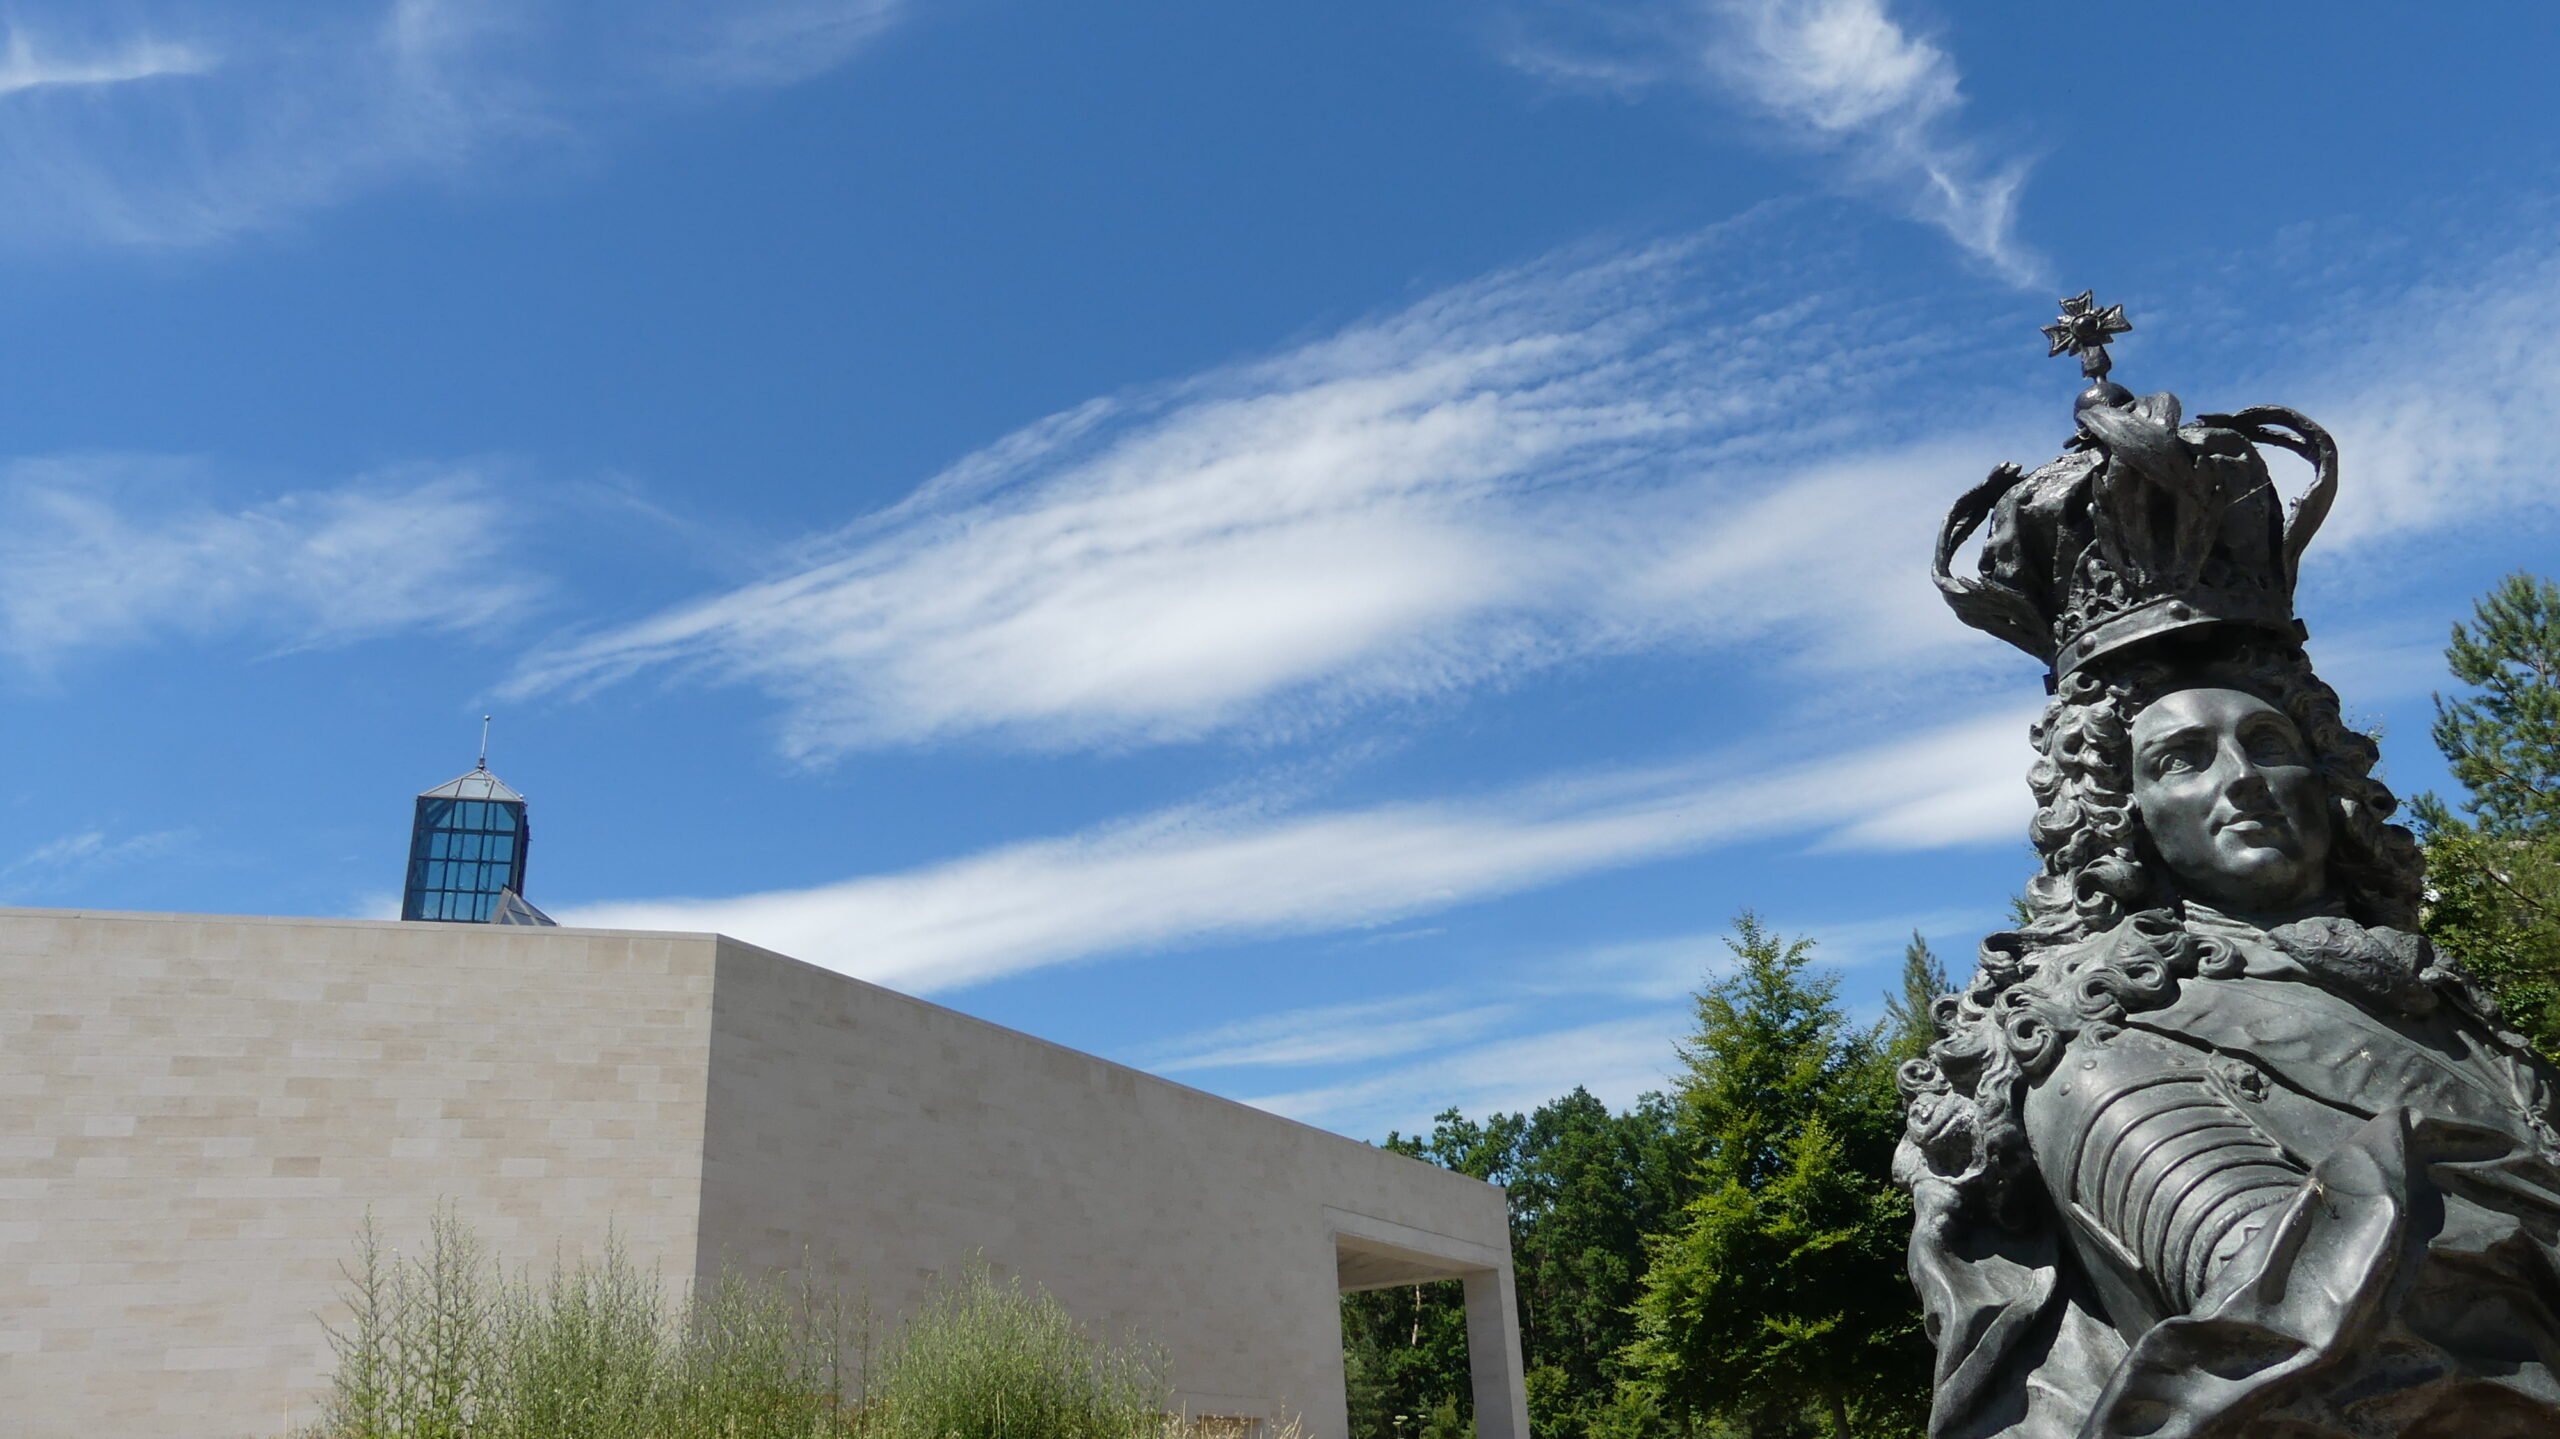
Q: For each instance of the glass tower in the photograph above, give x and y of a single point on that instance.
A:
(466, 854)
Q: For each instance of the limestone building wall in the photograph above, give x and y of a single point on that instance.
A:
(196, 1113)
(911, 1138)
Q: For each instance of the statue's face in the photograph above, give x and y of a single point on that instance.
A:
(2228, 794)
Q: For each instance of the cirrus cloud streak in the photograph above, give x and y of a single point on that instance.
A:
(1184, 876)
(1581, 457)
(99, 552)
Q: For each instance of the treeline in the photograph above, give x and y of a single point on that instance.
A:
(1723, 1259)
(1727, 1259)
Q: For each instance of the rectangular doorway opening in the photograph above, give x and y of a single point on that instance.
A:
(1430, 1342)
(1405, 1364)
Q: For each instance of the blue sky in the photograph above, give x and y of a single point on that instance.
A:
(1325, 550)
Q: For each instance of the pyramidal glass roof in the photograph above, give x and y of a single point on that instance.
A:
(479, 784)
(513, 908)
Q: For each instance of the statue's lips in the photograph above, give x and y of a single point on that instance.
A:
(2270, 827)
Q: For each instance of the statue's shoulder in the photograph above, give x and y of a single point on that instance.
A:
(2135, 963)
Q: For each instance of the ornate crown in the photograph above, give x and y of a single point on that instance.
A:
(2144, 527)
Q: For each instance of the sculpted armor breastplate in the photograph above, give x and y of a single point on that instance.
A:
(2157, 1164)
(2188, 1147)
(2164, 1140)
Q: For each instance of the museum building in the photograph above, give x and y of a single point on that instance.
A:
(197, 1112)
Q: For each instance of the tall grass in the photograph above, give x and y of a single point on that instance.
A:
(986, 1361)
(444, 1345)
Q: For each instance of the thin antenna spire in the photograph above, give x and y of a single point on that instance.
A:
(484, 741)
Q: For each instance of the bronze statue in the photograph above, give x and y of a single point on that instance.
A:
(2215, 1144)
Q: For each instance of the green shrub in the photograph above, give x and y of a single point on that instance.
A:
(1445, 1422)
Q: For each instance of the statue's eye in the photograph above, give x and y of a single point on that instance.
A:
(2271, 745)
(2177, 760)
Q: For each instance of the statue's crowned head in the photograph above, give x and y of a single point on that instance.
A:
(2189, 754)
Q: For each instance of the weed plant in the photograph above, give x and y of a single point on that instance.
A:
(444, 1345)
(986, 1361)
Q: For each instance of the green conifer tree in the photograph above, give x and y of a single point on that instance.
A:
(1911, 1025)
(1780, 1291)
(2493, 878)
(2503, 739)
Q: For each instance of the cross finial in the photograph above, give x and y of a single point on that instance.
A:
(2083, 329)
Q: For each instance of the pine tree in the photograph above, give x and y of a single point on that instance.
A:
(2503, 741)
(1780, 1291)
(1911, 1025)
(2493, 880)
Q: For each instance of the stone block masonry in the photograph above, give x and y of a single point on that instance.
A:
(197, 1112)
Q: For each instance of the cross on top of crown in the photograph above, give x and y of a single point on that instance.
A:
(2083, 329)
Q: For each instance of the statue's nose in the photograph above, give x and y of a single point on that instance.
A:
(2242, 780)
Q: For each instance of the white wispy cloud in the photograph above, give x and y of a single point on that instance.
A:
(1188, 875)
(101, 552)
(303, 115)
(1575, 458)
(1509, 1040)
(1842, 77)
(38, 872)
(1617, 1060)
(1333, 1034)
(293, 120)
(88, 847)
(27, 64)
(2440, 398)
(1669, 966)
(778, 42)
(1504, 476)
